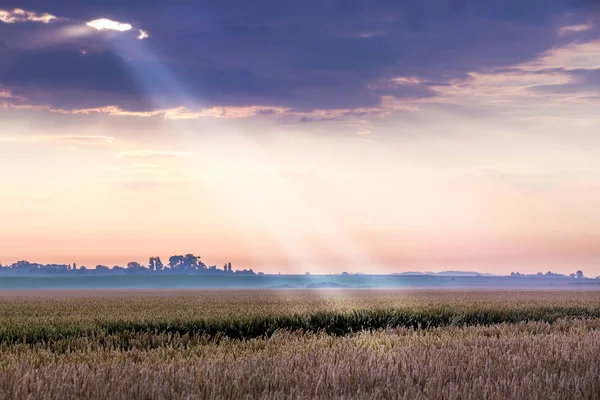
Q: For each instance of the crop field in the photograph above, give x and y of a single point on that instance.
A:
(300, 344)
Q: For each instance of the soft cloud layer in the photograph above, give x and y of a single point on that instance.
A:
(5, 94)
(20, 15)
(557, 76)
(566, 30)
(153, 153)
(387, 106)
(74, 139)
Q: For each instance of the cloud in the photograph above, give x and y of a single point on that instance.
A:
(572, 56)
(152, 153)
(222, 112)
(108, 110)
(7, 98)
(565, 30)
(5, 94)
(557, 76)
(72, 139)
(20, 15)
(363, 35)
(313, 57)
(386, 106)
(502, 86)
(137, 186)
(365, 132)
(408, 80)
(104, 24)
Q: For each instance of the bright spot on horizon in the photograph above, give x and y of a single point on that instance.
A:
(106, 24)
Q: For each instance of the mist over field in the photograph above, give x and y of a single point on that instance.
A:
(289, 282)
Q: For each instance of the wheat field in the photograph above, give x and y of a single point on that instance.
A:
(299, 344)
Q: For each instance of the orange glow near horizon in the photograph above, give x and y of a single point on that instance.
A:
(421, 204)
(495, 171)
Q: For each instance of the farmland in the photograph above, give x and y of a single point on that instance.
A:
(299, 344)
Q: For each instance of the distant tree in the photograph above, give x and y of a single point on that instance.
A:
(151, 263)
(158, 264)
(102, 268)
(134, 265)
(24, 265)
(192, 263)
(189, 262)
(176, 262)
(579, 274)
(229, 267)
(74, 267)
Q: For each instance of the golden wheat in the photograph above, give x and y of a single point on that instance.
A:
(524, 360)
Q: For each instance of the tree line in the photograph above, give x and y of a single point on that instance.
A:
(188, 263)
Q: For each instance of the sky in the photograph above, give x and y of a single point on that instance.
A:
(321, 136)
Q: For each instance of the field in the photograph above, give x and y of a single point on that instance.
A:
(275, 344)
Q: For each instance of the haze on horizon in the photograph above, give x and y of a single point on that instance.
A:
(315, 136)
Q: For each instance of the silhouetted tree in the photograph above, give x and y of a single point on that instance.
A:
(158, 264)
(192, 263)
(579, 274)
(134, 265)
(176, 262)
(189, 262)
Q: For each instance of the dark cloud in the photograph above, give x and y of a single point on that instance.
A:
(306, 55)
(65, 69)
